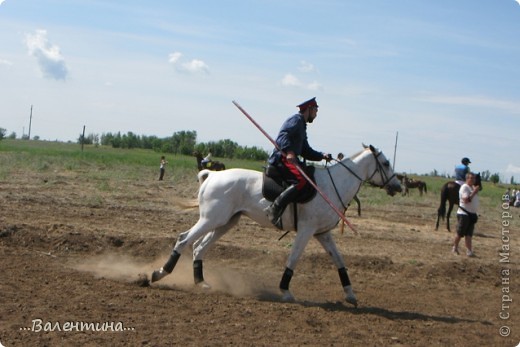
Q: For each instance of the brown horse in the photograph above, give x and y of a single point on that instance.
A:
(413, 183)
(450, 192)
(212, 165)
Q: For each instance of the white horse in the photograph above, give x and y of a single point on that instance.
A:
(225, 196)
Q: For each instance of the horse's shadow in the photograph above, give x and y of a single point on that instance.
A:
(339, 306)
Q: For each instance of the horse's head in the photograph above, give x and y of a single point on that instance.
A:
(197, 155)
(478, 181)
(383, 175)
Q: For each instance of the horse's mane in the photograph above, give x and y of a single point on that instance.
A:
(356, 154)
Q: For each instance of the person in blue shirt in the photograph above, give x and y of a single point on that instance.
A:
(291, 144)
(461, 170)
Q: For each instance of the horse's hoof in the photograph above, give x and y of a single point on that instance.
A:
(157, 275)
(204, 285)
(287, 296)
(352, 300)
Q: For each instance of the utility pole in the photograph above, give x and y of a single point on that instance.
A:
(395, 149)
(30, 121)
(83, 138)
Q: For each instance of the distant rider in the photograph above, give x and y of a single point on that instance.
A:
(206, 161)
(461, 171)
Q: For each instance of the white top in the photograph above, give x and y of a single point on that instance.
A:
(471, 206)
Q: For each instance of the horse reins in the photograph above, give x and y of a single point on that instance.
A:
(334, 184)
(379, 167)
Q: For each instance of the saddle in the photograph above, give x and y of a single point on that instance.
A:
(274, 184)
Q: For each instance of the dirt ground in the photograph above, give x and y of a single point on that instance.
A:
(72, 247)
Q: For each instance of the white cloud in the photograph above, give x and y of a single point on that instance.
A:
(195, 66)
(314, 86)
(192, 66)
(290, 80)
(518, 2)
(513, 169)
(2, 1)
(173, 58)
(478, 101)
(51, 62)
(307, 67)
(5, 62)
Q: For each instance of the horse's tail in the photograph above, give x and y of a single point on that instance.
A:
(186, 204)
(202, 175)
(426, 189)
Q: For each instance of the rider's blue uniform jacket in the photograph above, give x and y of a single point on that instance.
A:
(293, 137)
(460, 172)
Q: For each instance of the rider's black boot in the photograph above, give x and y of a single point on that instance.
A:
(275, 210)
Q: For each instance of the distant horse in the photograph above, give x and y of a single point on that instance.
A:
(413, 183)
(450, 192)
(227, 195)
(212, 165)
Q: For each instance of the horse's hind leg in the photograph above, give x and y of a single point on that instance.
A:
(329, 245)
(202, 246)
(185, 239)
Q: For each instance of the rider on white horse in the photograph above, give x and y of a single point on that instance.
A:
(206, 159)
(227, 195)
(292, 143)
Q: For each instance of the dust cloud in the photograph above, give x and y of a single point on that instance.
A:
(127, 269)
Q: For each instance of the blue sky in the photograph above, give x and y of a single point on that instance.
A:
(444, 74)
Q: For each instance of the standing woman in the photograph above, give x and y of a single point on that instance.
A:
(161, 168)
(467, 207)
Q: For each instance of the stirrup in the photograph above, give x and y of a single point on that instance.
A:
(278, 223)
(275, 220)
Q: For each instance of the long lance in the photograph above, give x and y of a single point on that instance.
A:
(338, 212)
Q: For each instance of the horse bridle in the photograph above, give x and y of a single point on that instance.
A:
(379, 168)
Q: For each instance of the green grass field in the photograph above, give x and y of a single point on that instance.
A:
(135, 164)
(123, 163)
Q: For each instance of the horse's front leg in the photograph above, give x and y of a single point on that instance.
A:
(300, 241)
(329, 245)
(450, 208)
